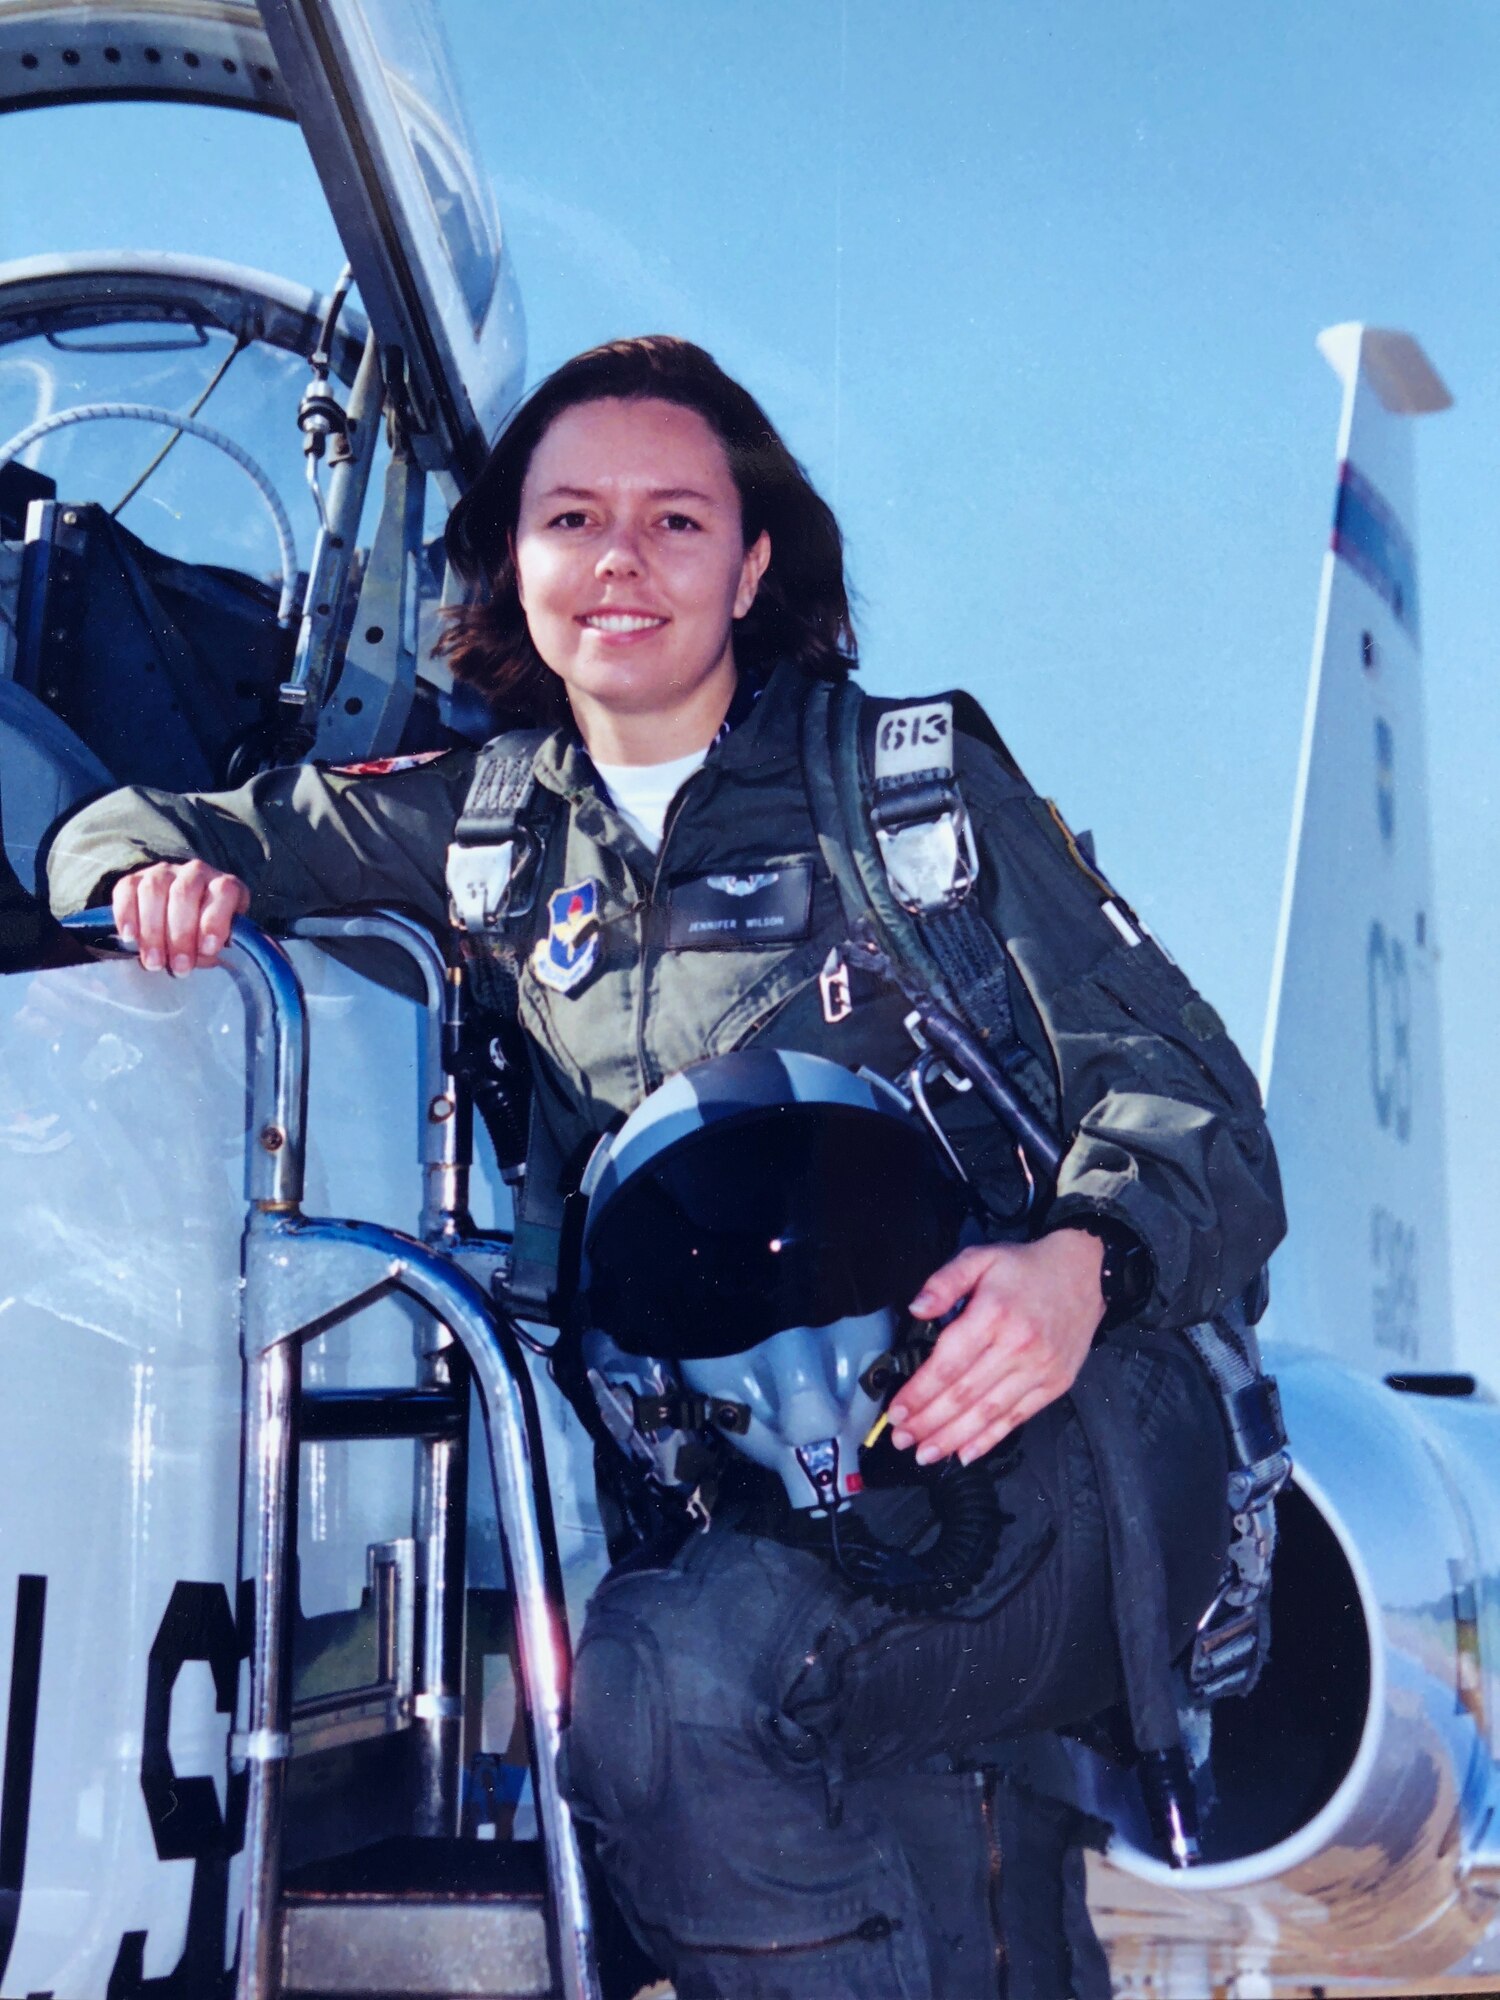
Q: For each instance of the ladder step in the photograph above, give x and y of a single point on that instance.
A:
(334, 1415)
(419, 1920)
(413, 1949)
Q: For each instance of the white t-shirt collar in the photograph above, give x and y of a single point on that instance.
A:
(643, 792)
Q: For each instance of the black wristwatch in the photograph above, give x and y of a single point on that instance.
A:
(1128, 1274)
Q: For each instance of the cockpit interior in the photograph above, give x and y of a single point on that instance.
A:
(222, 489)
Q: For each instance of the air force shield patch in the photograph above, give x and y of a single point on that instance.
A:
(564, 958)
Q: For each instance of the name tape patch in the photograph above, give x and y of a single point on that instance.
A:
(768, 906)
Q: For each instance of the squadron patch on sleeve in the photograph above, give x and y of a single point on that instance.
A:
(383, 767)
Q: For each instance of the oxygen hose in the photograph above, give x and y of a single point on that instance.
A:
(969, 1520)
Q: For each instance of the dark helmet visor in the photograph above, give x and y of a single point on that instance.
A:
(793, 1215)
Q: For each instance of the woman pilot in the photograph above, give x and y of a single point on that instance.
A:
(791, 1785)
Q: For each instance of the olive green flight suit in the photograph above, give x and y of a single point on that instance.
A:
(1170, 1140)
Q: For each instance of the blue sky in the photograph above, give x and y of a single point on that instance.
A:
(1033, 292)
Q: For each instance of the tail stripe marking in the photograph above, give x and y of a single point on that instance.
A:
(1367, 534)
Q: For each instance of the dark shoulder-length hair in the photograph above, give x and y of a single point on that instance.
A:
(801, 610)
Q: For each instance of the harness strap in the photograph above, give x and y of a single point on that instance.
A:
(926, 841)
(896, 837)
(1252, 1404)
(495, 866)
(958, 960)
(494, 863)
(889, 770)
(1233, 1638)
(503, 782)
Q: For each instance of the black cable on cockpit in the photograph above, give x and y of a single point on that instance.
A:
(241, 342)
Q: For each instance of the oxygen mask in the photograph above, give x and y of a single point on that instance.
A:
(752, 1235)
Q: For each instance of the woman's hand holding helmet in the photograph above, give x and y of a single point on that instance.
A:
(177, 913)
(1030, 1316)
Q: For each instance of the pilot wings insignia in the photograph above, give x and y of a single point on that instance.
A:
(740, 885)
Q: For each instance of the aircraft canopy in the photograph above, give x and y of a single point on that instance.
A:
(372, 85)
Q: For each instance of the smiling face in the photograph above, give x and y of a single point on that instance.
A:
(631, 568)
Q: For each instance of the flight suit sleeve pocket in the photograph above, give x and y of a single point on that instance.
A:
(1144, 984)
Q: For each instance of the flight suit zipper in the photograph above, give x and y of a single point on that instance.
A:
(649, 1076)
(995, 1864)
(869, 1930)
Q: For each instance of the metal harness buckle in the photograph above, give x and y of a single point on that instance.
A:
(926, 842)
(917, 810)
(1228, 1647)
(482, 880)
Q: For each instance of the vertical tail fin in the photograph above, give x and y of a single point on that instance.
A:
(1351, 1059)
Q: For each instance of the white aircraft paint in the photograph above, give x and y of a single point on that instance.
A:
(1351, 1064)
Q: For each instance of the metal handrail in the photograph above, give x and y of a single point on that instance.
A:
(301, 1276)
(277, 1013)
(446, 1152)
